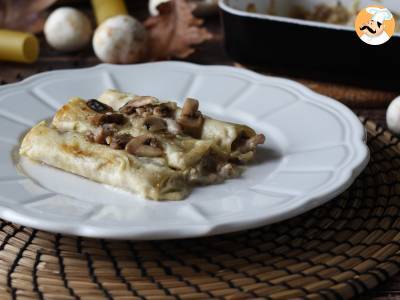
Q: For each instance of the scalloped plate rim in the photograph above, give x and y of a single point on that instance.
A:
(346, 178)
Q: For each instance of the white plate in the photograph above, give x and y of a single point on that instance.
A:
(314, 150)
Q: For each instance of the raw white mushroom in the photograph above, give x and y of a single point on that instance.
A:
(67, 29)
(121, 40)
(393, 116)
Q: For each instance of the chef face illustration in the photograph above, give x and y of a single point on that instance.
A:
(374, 30)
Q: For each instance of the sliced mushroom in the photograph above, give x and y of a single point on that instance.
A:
(154, 124)
(244, 143)
(191, 118)
(120, 141)
(107, 118)
(144, 111)
(190, 107)
(164, 110)
(145, 145)
(110, 129)
(139, 101)
(98, 107)
(192, 126)
(99, 136)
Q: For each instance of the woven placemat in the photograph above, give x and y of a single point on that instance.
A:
(336, 251)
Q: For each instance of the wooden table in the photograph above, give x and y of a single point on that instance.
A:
(370, 103)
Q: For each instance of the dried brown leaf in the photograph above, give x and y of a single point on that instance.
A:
(23, 15)
(175, 31)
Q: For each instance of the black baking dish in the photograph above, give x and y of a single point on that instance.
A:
(258, 38)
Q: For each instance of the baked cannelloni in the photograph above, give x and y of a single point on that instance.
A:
(141, 144)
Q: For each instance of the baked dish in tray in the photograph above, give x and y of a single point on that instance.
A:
(142, 145)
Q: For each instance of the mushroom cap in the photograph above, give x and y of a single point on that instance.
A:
(107, 118)
(154, 124)
(166, 109)
(120, 141)
(67, 29)
(145, 146)
(121, 40)
(393, 116)
(136, 102)
(98, 106)
(190, 107)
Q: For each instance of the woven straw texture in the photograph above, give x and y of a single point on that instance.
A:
(336, 251)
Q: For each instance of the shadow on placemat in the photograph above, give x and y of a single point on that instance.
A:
(336, 251)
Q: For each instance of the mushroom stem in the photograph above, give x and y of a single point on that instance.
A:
(190, 107)
(191, 118)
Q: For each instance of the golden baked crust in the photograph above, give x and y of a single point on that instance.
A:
(70, 151)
